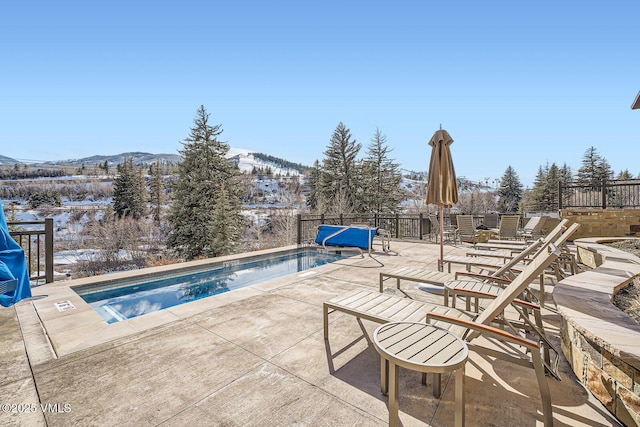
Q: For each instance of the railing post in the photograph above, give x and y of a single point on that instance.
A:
(397, 226)
(420, 225)
(48, 250)
(559, 195)
(299, 240)
(604, 194)
(341, 219)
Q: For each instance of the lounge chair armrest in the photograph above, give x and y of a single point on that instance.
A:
(521, 303)
(486, 330)
(526, 304)
(482, 276)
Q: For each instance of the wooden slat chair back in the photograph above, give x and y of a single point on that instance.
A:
(466, 229)
(509, 225)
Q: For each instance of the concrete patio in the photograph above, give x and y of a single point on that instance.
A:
(256, 357)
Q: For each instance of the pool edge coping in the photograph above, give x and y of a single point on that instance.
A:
(52, 333)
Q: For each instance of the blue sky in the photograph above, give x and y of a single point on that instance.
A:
(518, 84)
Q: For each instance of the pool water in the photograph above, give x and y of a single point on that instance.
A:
(127, 300)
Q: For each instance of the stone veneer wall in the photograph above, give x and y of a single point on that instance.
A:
(600, 341)
(604, 222)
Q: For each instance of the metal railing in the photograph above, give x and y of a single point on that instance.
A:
(398, 226)
(36, 238)
(607, 194)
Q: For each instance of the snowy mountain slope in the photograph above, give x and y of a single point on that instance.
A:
(244, 158)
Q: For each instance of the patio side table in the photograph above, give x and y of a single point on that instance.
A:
(424, 348)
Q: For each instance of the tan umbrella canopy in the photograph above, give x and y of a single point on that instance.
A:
(442, 189)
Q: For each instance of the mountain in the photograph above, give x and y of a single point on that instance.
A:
(4, 160)
(246, 160)
(249, 161)
(139, 158)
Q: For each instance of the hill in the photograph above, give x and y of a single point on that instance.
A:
(139, 158)
(246, 160)
(4, 160)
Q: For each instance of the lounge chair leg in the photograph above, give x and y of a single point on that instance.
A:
(326, 321)
(545, 394)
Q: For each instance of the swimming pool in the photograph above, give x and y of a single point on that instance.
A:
(115, 301)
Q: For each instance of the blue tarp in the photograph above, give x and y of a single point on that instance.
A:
(13, 265)
(353, 237)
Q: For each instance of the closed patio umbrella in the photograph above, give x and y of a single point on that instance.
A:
(442, 186)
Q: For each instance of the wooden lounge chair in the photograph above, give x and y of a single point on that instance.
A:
(494, 263)
(514, 246)
(466, 229)
(490, 264)
(509, 225)
(533, 228)
(448, 232)
(415, 274)
(505, 250)
(490, 288)
(438, 278)
(491, 220)
(383, 308)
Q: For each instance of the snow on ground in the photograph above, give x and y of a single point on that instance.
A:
(246, 162)
(67, 258)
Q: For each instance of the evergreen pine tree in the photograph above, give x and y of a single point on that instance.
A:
(206, 210)
(537, 193)
(594, 169)
(624, 175)
(313, 180)
(565, 177)
(510, 192)
(545, 191)
(551, 193)
(156, 191)
(129, 191)
(340, 170)
(381, 178)
(605, 173)
(225, 234)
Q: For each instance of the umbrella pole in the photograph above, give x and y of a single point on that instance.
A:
(441, 262)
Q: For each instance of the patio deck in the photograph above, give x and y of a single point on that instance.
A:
(256, 357)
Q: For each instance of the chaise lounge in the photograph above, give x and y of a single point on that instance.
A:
(383, 308)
